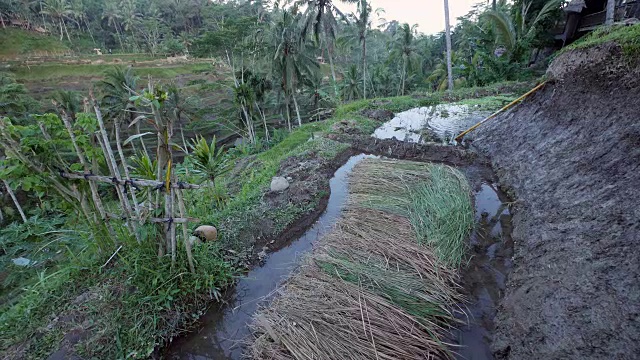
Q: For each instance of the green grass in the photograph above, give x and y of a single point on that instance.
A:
(125, 309)
(79, 71)
(17, 42)
(628, 37)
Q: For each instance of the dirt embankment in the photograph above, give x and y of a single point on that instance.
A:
(571, 154)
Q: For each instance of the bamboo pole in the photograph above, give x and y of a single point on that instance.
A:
(97, 201)
(185, 231)
(15, 200)
(156, 185)
(113, 167)
(514, 102)
(123, 161)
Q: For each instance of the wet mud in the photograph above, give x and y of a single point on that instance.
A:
(484, 276)
(571, 156)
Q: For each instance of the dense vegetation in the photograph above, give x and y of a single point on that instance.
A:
(267, 72)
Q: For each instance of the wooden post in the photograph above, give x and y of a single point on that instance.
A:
(123, 161)
(15, 200)
(611, 12)
(185, 230)
(113, 168)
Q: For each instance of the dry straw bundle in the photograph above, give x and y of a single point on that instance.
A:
(371, 289)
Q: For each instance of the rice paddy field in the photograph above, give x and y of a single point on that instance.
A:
(384, 283)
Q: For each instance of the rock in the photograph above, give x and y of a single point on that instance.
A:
(206, 232)
(194, 240)
(279, 183)
(21, 261)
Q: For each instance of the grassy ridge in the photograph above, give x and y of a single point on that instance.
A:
(628, 37)
(19, 42)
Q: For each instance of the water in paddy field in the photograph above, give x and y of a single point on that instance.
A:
(485, 276)
(224, 330)
(434, 123)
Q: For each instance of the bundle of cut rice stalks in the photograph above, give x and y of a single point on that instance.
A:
(371, 289)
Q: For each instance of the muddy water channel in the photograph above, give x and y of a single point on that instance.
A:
(224, 330)
(491, 250)
(426, 124)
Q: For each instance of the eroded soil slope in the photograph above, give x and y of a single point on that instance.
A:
(571, 154)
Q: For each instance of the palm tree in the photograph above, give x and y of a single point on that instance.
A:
(362, 23)
(351, 88)
(406, 49)
(116, 89)
(59, 10)
(113, 16)
(320, 19)
(448, 39)
(515, 34)
(80, 13)
(293, 59)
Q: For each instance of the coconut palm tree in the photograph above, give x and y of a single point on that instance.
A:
(320, 19)
(351, 87)
(59, 10)
(112, 15)
(363, 22)
(448, 39)
(405, 48)
(293, 60)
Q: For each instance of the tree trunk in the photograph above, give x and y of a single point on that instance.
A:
(65, 30)
(448, 38)
(61, 30)
(119, 36)
(3, 26)
(295, 103)
(288, 112)
(364, 67)
(264, 121)
(404, 73)
(86, 23)
(494, 7)
(15, 200)
(611, 11)
(333, 72)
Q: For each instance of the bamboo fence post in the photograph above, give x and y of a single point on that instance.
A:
(132, 190)
(113, 168)
(185, 231)
(15, 200)
(97, 201)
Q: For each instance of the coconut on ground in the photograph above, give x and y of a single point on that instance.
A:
(383, 283)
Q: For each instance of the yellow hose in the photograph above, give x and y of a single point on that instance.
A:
(459, 137)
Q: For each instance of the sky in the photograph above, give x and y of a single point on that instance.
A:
(428, 14)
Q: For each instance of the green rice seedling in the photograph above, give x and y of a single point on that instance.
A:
(436, 198)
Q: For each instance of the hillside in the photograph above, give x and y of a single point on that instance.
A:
(18, 43)
(571, 156)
